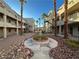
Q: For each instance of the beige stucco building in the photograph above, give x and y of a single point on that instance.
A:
(49, 25)
(30, 27)
(10, 21)
(73, 18)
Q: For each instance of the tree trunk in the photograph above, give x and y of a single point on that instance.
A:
(55, 14)
(65, 19)
(21, 18)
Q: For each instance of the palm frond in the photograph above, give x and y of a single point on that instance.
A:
(22, 1)
(44, 15)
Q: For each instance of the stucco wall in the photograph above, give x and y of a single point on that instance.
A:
(11, 31)
(1, 32)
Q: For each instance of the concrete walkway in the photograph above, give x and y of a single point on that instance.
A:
(13, 40)
(42, 53)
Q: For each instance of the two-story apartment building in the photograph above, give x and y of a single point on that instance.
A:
(10, 21)
(73, 18)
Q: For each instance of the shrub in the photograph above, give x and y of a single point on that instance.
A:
(40, 37)
(72, 43)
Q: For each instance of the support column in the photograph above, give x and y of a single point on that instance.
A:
(5, 29)
(60, 30)
(46, 27)
(60, 18)
(23, 27)
(17, 28)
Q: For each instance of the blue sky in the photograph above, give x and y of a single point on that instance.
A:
(33, 8)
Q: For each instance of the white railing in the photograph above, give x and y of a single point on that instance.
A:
(71, 18)
(11, 25)
(7, 24)
(74, 17)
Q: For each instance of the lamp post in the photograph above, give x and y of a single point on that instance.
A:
(22, 3)
(66, 20)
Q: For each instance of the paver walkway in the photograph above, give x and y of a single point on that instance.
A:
(13, 40)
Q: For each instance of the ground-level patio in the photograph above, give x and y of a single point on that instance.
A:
(12, 48)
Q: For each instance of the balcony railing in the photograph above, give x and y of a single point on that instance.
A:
(74, 17)
(11, 25)
(71, 18)
(2, 24)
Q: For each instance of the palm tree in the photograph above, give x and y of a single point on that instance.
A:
(39, 21)
(55, 14)
(22, 3)
(37, 25)
(66, 20)
(44, 15)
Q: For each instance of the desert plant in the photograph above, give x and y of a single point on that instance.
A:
(72, 43)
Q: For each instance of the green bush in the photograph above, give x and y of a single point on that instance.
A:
(72, 43)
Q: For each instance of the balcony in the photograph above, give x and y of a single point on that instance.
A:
(71, 19)
(20, 26)
(1, 24)
(11, 25)
(74, 17)
(11, 14)
(60, 22)
(2, 7)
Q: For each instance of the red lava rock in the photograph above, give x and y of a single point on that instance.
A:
(63, 51)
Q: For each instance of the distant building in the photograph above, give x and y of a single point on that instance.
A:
(30, 24)
(48, 25)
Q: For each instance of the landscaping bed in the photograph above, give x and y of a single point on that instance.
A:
(63, 51)
(72, 43)
(40, 38)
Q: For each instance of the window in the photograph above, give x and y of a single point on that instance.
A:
(15, 22)
(9, 30)
(9, 21)
(15, 30)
